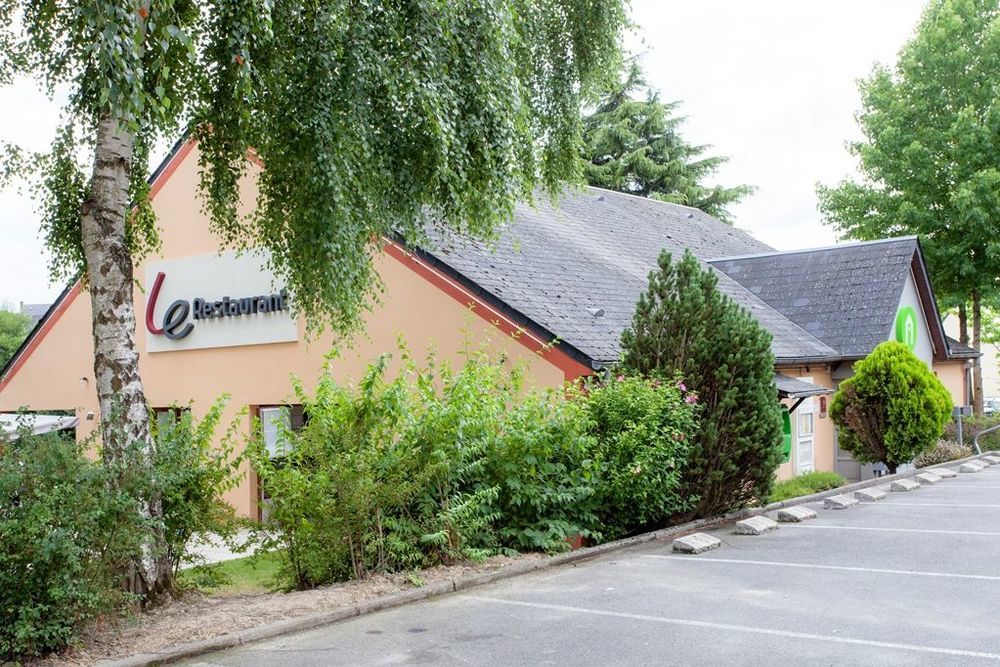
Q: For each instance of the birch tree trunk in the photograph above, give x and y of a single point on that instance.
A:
(124, 414)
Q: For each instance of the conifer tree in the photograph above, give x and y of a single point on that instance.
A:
(683, 326)
(633, 146)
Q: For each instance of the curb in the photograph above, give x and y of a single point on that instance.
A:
(311, 621)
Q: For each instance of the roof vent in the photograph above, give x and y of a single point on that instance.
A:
(600, 198)
(690, 215)
(596, 312)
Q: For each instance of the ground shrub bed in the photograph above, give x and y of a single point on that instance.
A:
(63, 536)
(805, 484)
(943, 452)
(971, 426)
(68, 534)
(441, 464)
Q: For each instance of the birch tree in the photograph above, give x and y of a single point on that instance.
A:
(369, 116)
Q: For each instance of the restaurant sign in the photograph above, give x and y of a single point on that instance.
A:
(222, 300)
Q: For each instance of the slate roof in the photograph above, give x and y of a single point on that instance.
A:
(845, 295)
(957, 350)
(557, 265)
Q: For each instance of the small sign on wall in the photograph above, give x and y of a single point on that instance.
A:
(221, 300)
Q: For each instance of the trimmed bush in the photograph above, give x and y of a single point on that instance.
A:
(893, 409)
(644, 430)
(685, 327)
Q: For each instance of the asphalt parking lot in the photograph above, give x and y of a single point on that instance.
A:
(911, 579)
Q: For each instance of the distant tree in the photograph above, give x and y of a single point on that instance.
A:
(930, 157)
(633, 146)
(893, 409)
(367, 115)
(14, 328)
(684, 327)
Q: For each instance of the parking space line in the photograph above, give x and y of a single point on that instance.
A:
(973, 505)
(876, 529)
(971, 484)
(749, 629)
(839, 568)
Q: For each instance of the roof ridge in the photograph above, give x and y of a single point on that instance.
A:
(800, 251)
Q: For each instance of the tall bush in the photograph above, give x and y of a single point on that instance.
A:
(683, 326)
(645, 430)
(893, 409)
(191, 472)
(433, 465)
(64, 538)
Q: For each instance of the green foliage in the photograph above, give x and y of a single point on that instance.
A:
(454, 108)
(430, 467)
(14, 329)
(192, 472)
(929, 157)
(803, 485)
(943, 452)
(971, 426)
(239, 576)
(633, 146)
(645, 431)
(893, 409)
(684, 327)
(64, 536)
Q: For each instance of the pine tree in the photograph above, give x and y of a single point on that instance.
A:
(683, 326)
(633, 146)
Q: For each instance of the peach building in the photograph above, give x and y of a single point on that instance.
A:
(211, 321)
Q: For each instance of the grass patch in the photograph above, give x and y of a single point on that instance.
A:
(803, 485)
(240, 576)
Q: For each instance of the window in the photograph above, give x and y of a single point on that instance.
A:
(275, 422)
(806, 424)
(167, 416)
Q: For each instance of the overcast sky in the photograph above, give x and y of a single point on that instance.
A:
(769, 84)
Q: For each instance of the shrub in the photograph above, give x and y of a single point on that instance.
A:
(191, 473)
(805, 484)
(430, 467)
(893, 408)
(683, 326)
(943, 452)
(973, 425)
(644, 432)
(64, 539)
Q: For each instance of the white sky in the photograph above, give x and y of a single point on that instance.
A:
(769, 84)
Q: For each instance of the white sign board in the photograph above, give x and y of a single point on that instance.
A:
(221, 300)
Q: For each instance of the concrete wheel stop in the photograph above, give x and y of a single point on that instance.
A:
(756, 525)
(870, 495)
(696, 543)
(839, 502)
(795, 514)
(904, 485)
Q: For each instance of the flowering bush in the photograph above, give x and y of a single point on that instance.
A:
(644, 430)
